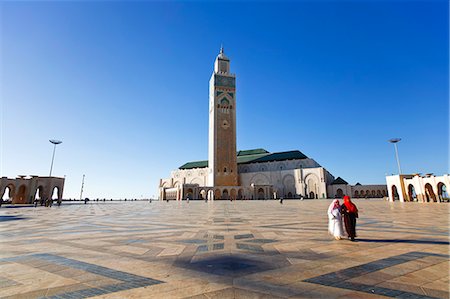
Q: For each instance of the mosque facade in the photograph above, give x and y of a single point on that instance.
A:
(250, 174)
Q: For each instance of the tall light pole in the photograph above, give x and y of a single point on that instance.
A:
(395, 141)
(82, 186)
(54, 142)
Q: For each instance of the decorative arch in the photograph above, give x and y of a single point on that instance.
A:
(217, 194)
(39, 194)
(240, 194)
(339, 193)
(203, 194)
(395, 195)
(442, 192)
(356, 194)
(233, 194)
(225, 194)
(21, 194)
(412, 196)
(8, 192)
(429, 193)
(55, 193)
(224, 102)
(312, 185)
(196, 181)
(260, 179)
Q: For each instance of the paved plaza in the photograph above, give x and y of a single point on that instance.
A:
(222, 249)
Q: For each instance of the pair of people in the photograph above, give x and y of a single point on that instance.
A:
(336, 212)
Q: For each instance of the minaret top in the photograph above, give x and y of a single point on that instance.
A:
(222, 55)
(222, 63)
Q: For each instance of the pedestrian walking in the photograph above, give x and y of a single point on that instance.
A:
(350, 212)
(335, 220)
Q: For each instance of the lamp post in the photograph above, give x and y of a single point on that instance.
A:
(395, 141)
(54, 142)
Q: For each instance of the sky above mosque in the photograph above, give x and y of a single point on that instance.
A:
(124, 85)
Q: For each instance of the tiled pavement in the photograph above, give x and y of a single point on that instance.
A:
(222, 249)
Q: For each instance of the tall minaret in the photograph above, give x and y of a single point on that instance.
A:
(222, 125)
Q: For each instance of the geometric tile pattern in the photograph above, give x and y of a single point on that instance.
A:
(340, 279)
(222, 249)
(125, 280)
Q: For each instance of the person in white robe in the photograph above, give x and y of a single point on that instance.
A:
(335, 220)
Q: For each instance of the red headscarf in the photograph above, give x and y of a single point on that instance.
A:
(349, 205)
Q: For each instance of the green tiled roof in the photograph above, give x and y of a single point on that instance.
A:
(252, 152)
(339, 181)
(195, 164)
(290, 155)
(253, 156)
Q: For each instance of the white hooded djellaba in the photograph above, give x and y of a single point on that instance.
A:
(335, 220)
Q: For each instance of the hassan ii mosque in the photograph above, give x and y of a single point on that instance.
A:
(250, 174)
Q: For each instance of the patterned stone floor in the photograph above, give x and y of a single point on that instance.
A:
(222, 249)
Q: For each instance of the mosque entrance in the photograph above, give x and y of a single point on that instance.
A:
(261, 194)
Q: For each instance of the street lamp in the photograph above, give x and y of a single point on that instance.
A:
(395, 141)
(54, 142)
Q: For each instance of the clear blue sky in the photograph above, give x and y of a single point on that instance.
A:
(125, 86)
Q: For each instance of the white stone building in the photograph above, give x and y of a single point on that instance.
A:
(24, 190)
(250, 174)
(414, 187)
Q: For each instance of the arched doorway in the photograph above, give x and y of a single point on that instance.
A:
(21, 194)
(8, 194)
(312, 195)
(217, 194)
(412, 196)
(225, 194)
(39, 196)
(429, 193)
(442, 192)
(339, 193)
(289, 195)
(190, 193)
(378, 193)
(356, 194)
(395, 193)
(233, 194)
(55, 193)
(240, 194)
(261, 194)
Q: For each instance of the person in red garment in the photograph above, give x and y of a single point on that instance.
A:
(350, 212)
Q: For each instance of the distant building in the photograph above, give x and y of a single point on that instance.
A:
(250, 174)
(24, 190)
(414, 187)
